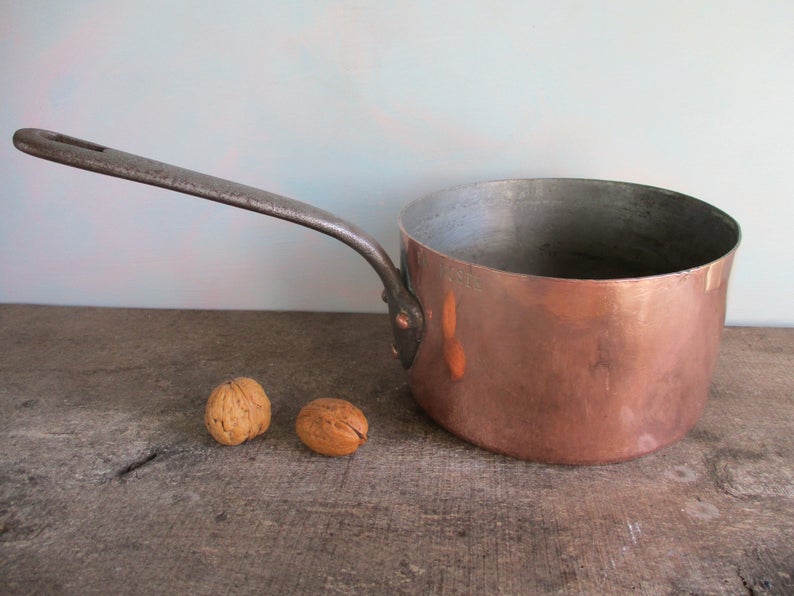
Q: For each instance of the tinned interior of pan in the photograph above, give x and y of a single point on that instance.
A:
(572, 228)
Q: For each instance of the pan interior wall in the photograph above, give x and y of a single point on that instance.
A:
(568, 228)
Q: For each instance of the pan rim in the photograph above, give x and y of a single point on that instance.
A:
(730, 222)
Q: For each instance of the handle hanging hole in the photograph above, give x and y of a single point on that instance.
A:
(66, 140)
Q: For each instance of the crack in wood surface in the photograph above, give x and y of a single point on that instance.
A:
(745, 583)
(124, 473)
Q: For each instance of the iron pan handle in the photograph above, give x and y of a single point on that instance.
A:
(404, 310)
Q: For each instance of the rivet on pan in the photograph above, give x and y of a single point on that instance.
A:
(402, 320)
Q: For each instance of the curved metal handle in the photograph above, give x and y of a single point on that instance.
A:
(405, 312)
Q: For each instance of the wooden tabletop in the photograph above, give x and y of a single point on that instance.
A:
(110, 484)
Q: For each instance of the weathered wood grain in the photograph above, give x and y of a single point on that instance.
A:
(109, 482)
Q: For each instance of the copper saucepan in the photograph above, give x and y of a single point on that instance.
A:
(555, 320)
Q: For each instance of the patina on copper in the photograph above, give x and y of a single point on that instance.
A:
(555, 320)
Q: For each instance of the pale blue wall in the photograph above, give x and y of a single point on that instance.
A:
(360, 107)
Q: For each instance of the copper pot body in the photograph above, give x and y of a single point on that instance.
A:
(567, 321)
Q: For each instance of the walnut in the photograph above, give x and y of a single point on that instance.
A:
(331, 426)
(237, 410)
